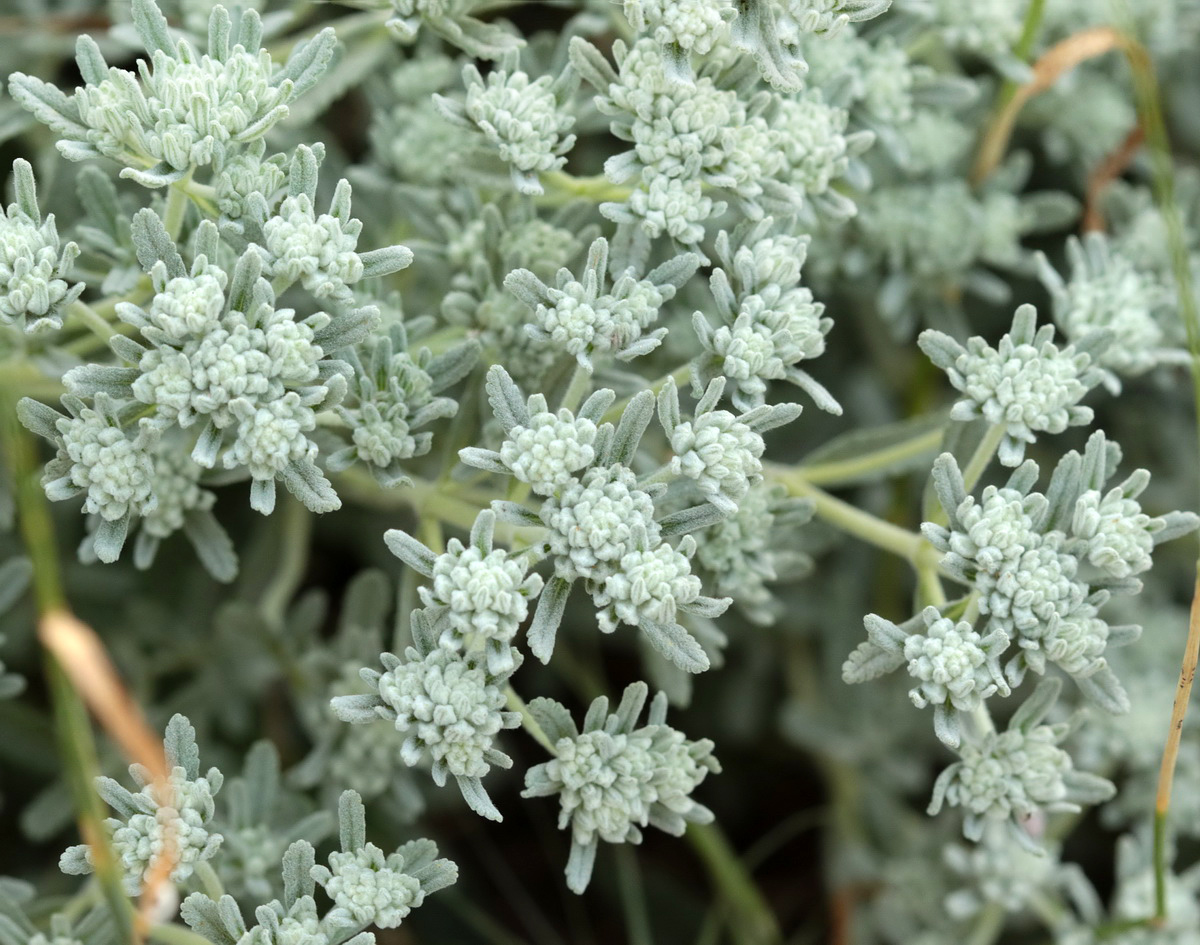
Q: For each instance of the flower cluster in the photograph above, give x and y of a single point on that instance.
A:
(522, 119)
(1009, 776)
(34, 264)
(613, 778)
(189, 110)
(168, 818)
(366, 886)
(448, 705)
(1025, 385)
(576, 316)
(1042, 565)
(770, 323)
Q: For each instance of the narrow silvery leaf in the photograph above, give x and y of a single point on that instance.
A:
(580, 863)
(869, 661)
(1105, 690)
(633, 700)
(554, 719)
(152, 243)
(505, 398)
(477, 798)
(109, 539)
(180, 746)
(634, 420)
(212, 544)
(308, 62)
(410, 551)
(676, 644)
(1034, 708)
(38, 418)
(591, 65)
(479, 458)
(452, 366)
(352, 821)
(151, 27)
(690, 520)
(25, 189)
(356, 710)
(549, 613)
(306, 482)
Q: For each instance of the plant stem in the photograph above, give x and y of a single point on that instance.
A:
(176, 935)
(1150, 112)
(73, 729)
(854, 521)
(562, 187)
(295, 533)
(528, 722)
(1023, 49)
(681, 376)
(989, 923)
(581, 380)
(834, 473)
(751, 921)
(633, 897)
(176, 208)
(982, 457)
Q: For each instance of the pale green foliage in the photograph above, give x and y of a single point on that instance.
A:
(170, 820)
(613, 778)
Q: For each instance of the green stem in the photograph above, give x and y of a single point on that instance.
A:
(1149, 103)
(176, 935)
(854, 521)
(827, 474)
(294, 538)
(681, 375)
(751, 921)
(633, 897)
(1024, 48)
(528, 722)
(176, 208)
(73, 729)
(989, 923)
(562, 187)
(581, 381)
(982, 457)
(213, 887)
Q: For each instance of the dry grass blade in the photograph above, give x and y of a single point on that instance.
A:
(1105, 173)
(1059, 59)
(86, 663)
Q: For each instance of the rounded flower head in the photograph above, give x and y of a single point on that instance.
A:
(448, 711)
(187, 307)
(107, 463)
(720, 452)
(994, 531)
(546, 453)
(522, 120)
(366, 887)
(592, 521)
(187, 110)
(648, 584)
(1025, 384)
(1034, 591)
(32, 267)
(953, 664)
(1113, 533)
(1107, 291)
(177, 489)
(695, 26)
(271, 436)
(319, 250)
(486, 593)
(1010, 773)
(606, 785)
